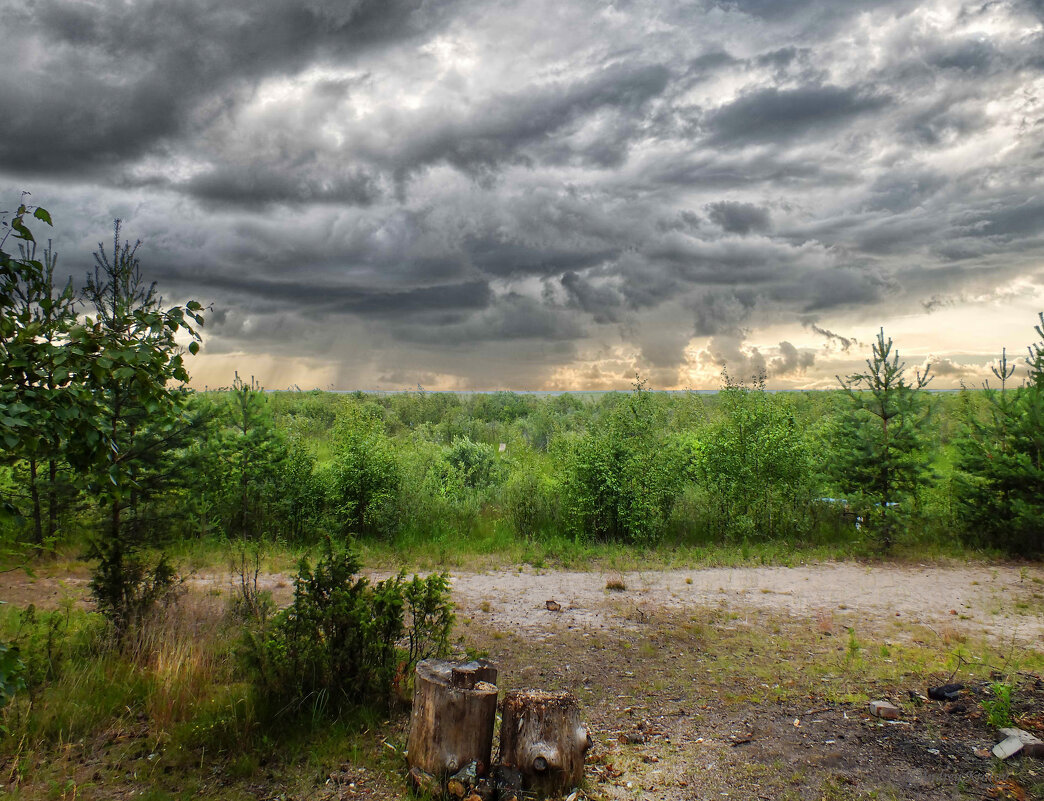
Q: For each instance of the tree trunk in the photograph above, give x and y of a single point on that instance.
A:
(542, 737)
(34, 491)
(52, 498)
(454, 712)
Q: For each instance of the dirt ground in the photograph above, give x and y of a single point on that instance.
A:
(1001, 602)
(739, 683)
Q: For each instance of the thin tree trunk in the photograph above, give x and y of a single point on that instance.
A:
(52, 498)
(34, 491)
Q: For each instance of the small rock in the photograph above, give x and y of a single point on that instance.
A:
(884, 710)
(553, 605)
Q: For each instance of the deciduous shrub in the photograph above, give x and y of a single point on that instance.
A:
(623, 476)
(751, 467)
(367, 478)
(533, 501)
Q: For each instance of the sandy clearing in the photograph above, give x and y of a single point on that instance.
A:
(1000, 602)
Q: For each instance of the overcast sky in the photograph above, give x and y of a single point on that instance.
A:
(547, 194)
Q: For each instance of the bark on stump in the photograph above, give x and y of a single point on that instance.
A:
(454, 711)
(542, 737)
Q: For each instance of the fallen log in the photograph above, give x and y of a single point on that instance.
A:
(541, 737)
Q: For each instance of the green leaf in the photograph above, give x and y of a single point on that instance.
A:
(43, 214)
(23, 232)
(193, 347)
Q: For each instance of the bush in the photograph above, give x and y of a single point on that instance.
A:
(623, 476)
(752, 468)
(476, 463)
(367, 477)
(12, 673)
(337, 645)
(532, 501)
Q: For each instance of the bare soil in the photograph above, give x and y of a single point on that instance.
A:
(731, 683)
(999, 602)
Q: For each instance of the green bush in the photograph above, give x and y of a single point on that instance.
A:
(752, 468)
(532, 501)
(367, 477)
(622, 476)
(337, 645)
(476, 463)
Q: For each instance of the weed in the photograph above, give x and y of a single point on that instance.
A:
(998, 709)
(854, 646)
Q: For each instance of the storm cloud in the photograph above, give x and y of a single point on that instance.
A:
(546, 195)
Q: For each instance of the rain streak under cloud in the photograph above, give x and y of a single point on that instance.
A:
(548, 195)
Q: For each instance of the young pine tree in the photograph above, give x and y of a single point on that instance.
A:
(1000, 464)
(880, 450)
(135, 373)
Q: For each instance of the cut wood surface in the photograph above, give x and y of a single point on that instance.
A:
(542, 737)
(454, 712)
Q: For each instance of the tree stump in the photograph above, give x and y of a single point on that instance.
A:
(454, 711)
(541, 737)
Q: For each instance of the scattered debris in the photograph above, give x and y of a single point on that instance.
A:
(1019, 740)
(884, 710)
(508, 782)
(947, 692)
(461, 783)
(1007, 748)
(917, 698)
(1008, 789)
(423, 782)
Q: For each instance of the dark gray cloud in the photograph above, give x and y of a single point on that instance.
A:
(739, 218)
(845, 343)
(112, 80)
(469, 194)
(779, 116)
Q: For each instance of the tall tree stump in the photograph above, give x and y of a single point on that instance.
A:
(454, 712)
(541, 736)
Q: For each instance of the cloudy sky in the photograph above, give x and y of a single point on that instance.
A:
(547, 194)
